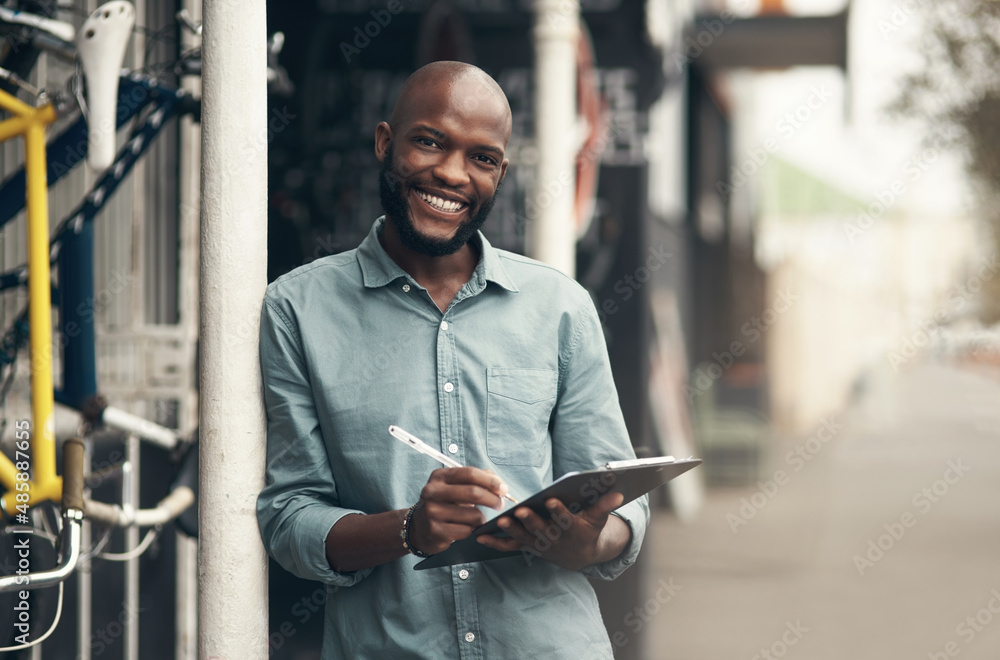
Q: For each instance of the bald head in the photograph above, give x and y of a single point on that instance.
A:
(463, 85)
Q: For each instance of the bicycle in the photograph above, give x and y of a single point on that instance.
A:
(140, 97)
(150, 104)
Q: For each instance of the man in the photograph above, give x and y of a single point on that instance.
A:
(497, 360)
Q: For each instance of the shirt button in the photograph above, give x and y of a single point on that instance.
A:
(448, 387)
(463, 574)
(406, 288)
(444, 325)
(470, 637)
(453, 448)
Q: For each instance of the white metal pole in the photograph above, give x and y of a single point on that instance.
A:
(232, 564)
(551, 234)
(130, 502)
(84, 584)
(186, 604)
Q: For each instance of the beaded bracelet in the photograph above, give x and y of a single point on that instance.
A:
(405, 533)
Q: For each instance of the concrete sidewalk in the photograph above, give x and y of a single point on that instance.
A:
(883, 545)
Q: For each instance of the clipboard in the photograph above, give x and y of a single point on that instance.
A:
(577, 490)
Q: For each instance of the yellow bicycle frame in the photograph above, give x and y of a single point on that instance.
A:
(44, 484)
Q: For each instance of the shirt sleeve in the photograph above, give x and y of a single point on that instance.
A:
(299, 503)
(588, 428)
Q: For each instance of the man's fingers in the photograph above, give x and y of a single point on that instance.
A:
(437, 525)
(436, 511)
(497, 543)
(530, 520)
(476, 486)
(450, 532)
(520, 530)
(472, 475)
(602, 507)
(460, 494)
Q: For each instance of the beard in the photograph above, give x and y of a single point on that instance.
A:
(392, 191)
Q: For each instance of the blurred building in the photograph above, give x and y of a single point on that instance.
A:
(871, 292)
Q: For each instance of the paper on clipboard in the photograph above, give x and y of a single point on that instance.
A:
(577, 490)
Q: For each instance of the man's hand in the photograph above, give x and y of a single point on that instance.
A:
(447, 509)
(564, 539)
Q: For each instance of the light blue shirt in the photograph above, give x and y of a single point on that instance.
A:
(513, 377)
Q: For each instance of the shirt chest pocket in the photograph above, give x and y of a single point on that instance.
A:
(519, 404)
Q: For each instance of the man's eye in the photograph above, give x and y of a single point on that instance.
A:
(427, 142)
(487, 160)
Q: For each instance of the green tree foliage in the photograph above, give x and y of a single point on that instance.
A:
(957, 90)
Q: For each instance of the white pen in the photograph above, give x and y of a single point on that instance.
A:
(416, 443)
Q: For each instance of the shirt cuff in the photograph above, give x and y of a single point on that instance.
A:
(636, 515)
(312, 528)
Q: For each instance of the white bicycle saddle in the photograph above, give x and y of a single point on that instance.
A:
(100, 45)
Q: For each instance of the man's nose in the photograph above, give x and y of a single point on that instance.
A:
(451, 170)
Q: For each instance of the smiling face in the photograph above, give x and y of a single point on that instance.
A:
(443, 159)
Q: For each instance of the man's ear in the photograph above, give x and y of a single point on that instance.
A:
(383, 138)
(503, 173)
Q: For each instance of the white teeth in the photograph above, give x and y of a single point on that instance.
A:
(439, 203)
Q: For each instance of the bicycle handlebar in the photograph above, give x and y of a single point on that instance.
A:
(42, 579)
(73, 456)
(115, 515)
(49, 26)
(73, 460)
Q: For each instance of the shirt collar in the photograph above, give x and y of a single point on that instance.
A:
(378, 269)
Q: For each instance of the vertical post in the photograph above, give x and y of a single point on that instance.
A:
(232, 564)
(130, 502)
(189, 187)
(84, 584)
(551, 233)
